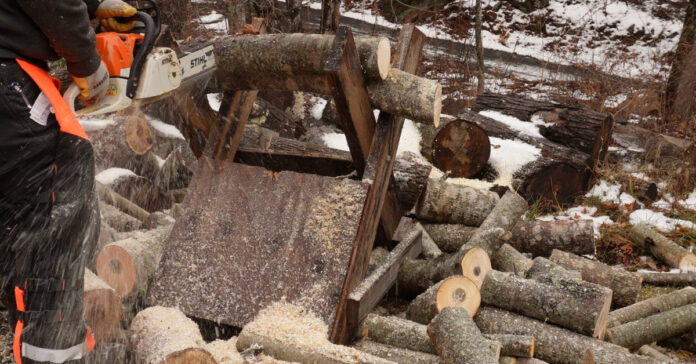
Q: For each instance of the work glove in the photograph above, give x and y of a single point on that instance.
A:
(109, 10)
(93, 87)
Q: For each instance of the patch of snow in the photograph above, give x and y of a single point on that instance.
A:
(690, 201)
(614, 101)
(582, 213)
(626, 199)
(658, 220)
(213, 17)
(163, 129)
(539, 121)
(508, 156)
(318, 108)
(513, 122)
(336, 141)
(410, 139)
(662, 204)
(215, 100)
(474, 183)
(605, 192)
(640, 175)
(111, 175)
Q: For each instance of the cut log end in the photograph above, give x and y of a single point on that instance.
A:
(138, 134)
(458, 291)
(116, 267)
(383, 57)
(190, 356)
(461, 149)
(688, 263)
(437, 106)
(475, 265)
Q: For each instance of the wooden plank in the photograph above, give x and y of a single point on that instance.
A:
(374, 287)
(249, 237)
(301, 162)
(377, 172)
(344, 76)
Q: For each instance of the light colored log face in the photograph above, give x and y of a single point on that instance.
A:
(578, 307)
(458, 291)
(475, 265)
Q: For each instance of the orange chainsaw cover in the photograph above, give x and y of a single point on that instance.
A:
(116, 50)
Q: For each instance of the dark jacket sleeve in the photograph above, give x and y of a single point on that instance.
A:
(66, 25)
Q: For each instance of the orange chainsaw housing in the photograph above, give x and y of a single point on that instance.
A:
(116, 50)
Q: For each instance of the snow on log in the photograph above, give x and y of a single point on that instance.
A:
(102, 308)
(654, 328)
(290, 333)
(625, 285)
(446, 202)
(455, 291)
(458, 340)
(458, 148)
(580, 308)
(161, 335)
(674, 255)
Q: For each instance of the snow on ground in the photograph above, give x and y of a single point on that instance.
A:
(163, 129)
(111, 175)
(215, 100)
(690, 201)
(531, 129)
(605, 191)
(335, 141)
(582, 213)
(658, 220)
(508, 156)
(213, 17)
(318, 108)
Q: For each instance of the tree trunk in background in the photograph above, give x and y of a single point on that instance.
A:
(679, 92)
(479, 48)
(176, 14)
(330, 16)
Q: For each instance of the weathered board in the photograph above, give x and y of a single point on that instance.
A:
(249, 237)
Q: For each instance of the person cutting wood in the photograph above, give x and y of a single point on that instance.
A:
(47, 200)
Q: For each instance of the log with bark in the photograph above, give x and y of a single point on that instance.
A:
(555, 344)
(649, 350)
(445, 202)
(578, 307)
(559, 175)
(102, 308)
(682, 342)
(456, 147)
(117, 219)
(514, 345)
(457, 339)
(129, 264)
(538, 238)
(397, 332)
(395, 354)
(625, 285)
(455, 291)
(508, 259)
(160, 335)
(654, 328)
(668, 279)
(408, 226)
(142, 191)
(296, 62)
(544, 270)
(674, 255)
(660, 149)
(411, 174)
(574, 126)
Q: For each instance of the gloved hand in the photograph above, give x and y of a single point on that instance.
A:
(109, 10)
(93, 87)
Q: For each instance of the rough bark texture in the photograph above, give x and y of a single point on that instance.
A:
(458, 340)
(456, 147)
(119, 220)
(395, 354)
(684, 342)
(565, 303)
(411, 174)
(102, 308)
(545, 270)
(109, 196)
(645, 237)
(415, 276)
(160, 335)
(129, 264)
(625, 285)
(649, 350)
(508, 259)
(659, 279)
(404, 94)
(654, 328)
(446, 202)
(660, 149)
(559, 175)
(555, 344)
(450, 237)
(574, 126)
(540, 238)
(514, 345)
(398, 332)
(505, 214)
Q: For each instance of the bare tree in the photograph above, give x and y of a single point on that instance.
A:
(681, 85)
(479, 48)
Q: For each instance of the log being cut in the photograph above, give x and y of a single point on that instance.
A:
(577, 307)
(625, 285)
(676, 256)
(102, 308)
(455, 291)
(285, 64)
(458, 148)
(457, 339)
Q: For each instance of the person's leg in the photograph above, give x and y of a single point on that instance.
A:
(48, 244)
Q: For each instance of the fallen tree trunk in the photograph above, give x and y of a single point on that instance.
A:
(457, 339)
(538, 238)
(127, 265)
(668, 279)
(455, 291)
(508, 259)
(574, 126)
(555, 344)
(625, 285)
(446, 202)
(296, 62)
(395, 354)
(654, 328)
(558, 175)
(644, 237)
(102, 308)
(563, 303)
(458, 148)
(160, 335)
(411, 175)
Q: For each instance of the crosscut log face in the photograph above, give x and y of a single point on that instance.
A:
(250, 237)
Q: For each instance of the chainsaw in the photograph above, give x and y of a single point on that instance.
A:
(138, 70)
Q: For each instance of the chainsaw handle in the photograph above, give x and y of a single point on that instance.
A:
(70, 95)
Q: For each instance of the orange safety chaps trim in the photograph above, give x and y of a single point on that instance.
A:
(50, 87)
(17, 344)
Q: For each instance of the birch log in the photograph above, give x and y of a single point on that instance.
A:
(625, 285)
(458, 340)
(643, 236)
